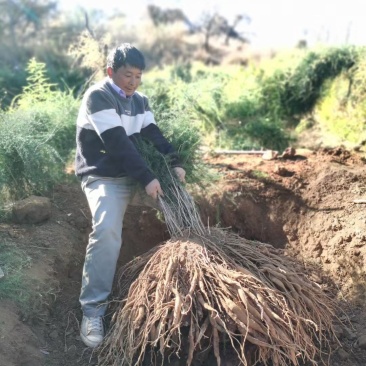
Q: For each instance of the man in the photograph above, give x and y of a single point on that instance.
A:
(109, 165)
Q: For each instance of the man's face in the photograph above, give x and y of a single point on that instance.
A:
(128, 78)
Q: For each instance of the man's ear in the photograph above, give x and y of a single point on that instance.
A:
(109, 71)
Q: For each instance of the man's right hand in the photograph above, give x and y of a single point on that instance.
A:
(153, 189)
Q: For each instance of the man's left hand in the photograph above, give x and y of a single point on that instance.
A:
(180, 173)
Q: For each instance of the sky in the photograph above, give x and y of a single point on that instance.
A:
(274, 23)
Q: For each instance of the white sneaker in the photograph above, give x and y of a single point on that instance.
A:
(92, 331)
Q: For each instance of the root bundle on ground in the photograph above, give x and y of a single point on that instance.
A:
(199, 291)
(207, 289)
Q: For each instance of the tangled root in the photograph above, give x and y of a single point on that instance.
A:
(215, 287)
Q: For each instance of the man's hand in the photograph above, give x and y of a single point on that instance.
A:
(180, 173)
(153, 189)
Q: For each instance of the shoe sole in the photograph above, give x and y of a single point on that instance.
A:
(88, 342)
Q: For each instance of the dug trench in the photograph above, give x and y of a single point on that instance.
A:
(310, 205)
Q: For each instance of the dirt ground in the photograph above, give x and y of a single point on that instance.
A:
(310, 204)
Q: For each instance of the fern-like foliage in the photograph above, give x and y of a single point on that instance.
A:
(37, 136)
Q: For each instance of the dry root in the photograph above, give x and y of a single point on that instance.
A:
(213, 287)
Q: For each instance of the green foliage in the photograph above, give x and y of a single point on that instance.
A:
(14, 286)
(37, 135)
(292, 92)
(260, 175)
(185, 135)
(30, 295)
(185, 138)
(284, 90)
(177, 205)
(258, 133)
(341, 111)
(223, 104)
(201, 99)
(37, 86)
(55, 110)
(183, 72)
(11, 82)
(258, 106)
(157, 162)
(304, 87)
(273, 89)
(208, 95)
(28, 163)
(246, 107)
(264, 133)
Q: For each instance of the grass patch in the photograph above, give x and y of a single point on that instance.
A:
(258, 174)
(28, 294)
(14, 285)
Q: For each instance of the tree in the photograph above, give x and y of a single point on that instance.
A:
(23, 20)
(35, 28)
(216, 25)
(165, 16)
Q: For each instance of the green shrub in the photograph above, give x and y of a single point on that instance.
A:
(183, 72)
(218, 103)
(31, 296)
(37, 135)
(341, 111)
(272, 101)
(258, 133)
(246, 107)
(186, 139)
(196, 93)
(28, 163)
(55, 109)
(304, 87)
(294, 91)
(14, 285)
(11, 82)
(266, 134)
(236, 107)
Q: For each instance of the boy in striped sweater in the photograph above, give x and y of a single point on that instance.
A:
(112, 113)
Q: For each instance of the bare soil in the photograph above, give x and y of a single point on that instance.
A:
(308, 204)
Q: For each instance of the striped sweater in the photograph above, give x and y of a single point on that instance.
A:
(106, 127)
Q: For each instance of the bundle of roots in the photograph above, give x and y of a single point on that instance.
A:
(207, 289)
(200, 291)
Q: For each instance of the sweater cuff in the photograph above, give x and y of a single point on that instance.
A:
(146, 178)
(174, 160)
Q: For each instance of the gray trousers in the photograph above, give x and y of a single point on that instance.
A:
(108, 199)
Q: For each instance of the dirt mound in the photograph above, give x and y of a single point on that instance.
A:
(309, 204)
(315, 211)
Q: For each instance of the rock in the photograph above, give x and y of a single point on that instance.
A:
(350, 334)
(338, 330)
(290, 152)
(361, 342)
(14, 234)
(343, 355)
(32, 210)
(1, 273)
(270, 155)
(81, 222)
(54, 334)
(304, 152)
